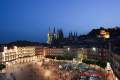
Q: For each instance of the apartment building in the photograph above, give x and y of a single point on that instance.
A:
(115, 63)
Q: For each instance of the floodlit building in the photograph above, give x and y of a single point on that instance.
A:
(9, 54)
(15, 53)
(26, 51)
(54, 51)
(39, 50)
(60, 51)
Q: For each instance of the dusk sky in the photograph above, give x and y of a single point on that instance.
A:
(30, 19)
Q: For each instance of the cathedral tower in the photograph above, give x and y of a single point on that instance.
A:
(50, 37)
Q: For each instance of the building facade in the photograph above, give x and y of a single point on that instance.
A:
(60, 51)
(96, 53)
(9, 54)
(26, 51)
(115, 64)
(17, 54)
(55, 36)
(53, 51)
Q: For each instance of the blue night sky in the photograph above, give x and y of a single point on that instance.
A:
(30, 19)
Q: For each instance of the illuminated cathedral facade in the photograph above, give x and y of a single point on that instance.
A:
(55, 35)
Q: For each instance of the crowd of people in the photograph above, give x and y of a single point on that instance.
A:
(55, 70)
(70, 71)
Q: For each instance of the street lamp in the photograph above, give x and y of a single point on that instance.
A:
(68, 49)
(94, 49)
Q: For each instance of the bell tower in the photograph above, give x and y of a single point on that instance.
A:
(50, 37)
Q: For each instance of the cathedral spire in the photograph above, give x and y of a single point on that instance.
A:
(76, 34)
(54, 30)
(49, 28)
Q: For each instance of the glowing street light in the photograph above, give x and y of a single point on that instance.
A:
(68, 49)
(94, 49)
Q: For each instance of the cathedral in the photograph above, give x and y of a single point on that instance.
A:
(54, 36)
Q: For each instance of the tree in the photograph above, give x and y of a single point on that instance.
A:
(2, 66)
